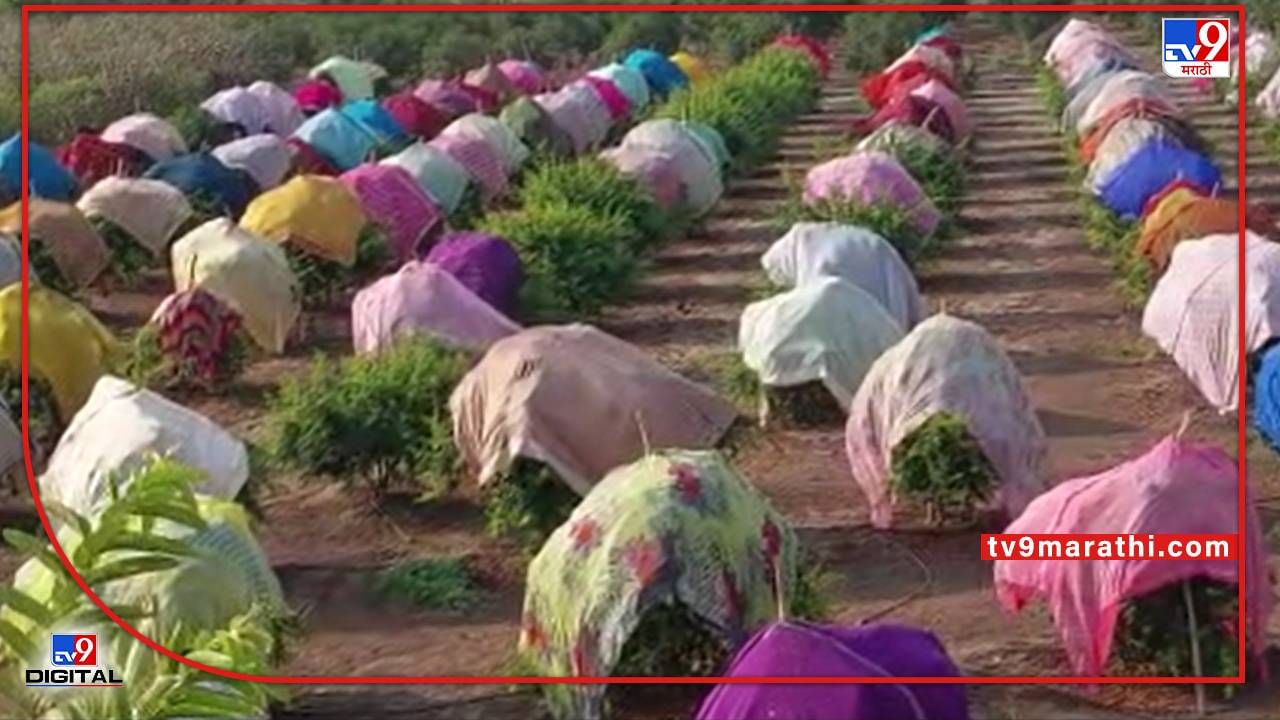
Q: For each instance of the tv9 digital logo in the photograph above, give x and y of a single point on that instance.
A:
(1197, 47)
(74, 650)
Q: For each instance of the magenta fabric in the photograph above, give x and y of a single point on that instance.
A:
(316, 95)
(945, 98)
(872, 177)
(448, 97)
(478, 159)
(614, 101)
(485, 264)
(878, 650)
(1178, 487)
(425, 299)
(486, 100)
(418, 118)
(527, 76)
(394, 200)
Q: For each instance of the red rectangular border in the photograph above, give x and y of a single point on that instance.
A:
(1242, 415)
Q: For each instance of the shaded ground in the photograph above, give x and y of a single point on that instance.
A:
(1018, 265)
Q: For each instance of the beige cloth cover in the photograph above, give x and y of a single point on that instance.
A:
(494, 133)
(946, 365)
(10, 260)
(576, 399)
(119, 428)
(76, 248)
(155, 136)
(827, 330)
(247, 272)
(151, 211)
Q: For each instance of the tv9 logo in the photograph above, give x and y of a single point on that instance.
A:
(1197, 47)
(75, 650)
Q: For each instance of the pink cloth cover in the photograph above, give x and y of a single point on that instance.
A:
(313, 96)
(1178, 487)
(578, 110)
(871, 177)
(1193, 312)
(945, 365)
(238, 105)
(950, 103)
(526, 76)
(423, 298)
(156, 137)
(478, 159)
(283, 114)
(394, 200)
(614, 101)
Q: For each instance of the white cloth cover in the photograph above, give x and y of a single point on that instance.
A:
(1119, 87)
(265, 157)
(827, 330)
(699, 169)
(238, 105)
(119, 428)
(248, 272)
(284, 115)
(813, 250)
(946, 365)
(151, 211)
(1192, 314)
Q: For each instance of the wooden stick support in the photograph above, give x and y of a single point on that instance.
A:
(1197, 667)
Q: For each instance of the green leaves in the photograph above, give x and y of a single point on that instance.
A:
(941, 465)
(1153, 636)
(374, 418)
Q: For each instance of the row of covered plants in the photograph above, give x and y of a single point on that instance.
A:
(386, 416)
(1155, 202)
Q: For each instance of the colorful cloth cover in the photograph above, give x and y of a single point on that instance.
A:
(697, 162)
(794, 648)
(341, 140)
(443, 179)
(910, 110)
(1149, 169)
(118, 430)
(318, 215)
(872, 178)
(1121, 87)
(145, 132)
(418, 119)
(629, 80)
(265, 157)
(615, 101)
(663, 76)
(375, 119)
(674, 527)
(247, 272)
(477, 157)
(68, 348)
(1178, 487)
(237, 106)
(526, 76)
(810, 251)
(951, 104)
(196, 331)
(48, 178)
(392, 199)
(946, 365)
(489, 77)
(496, 135)
(578, 110)
(658, 172)
(90, 158)
(1264, 409)
(315, 96)
(355, 78)
(1185, 214)
(202, 175)
(693, 67)
(283, 113)
(827, 330)
(424, 299)
(486, 265)
(75, 246)
(535, 128)
(1193, 312)
(448, 97)
(580, 401)
(818, 54)
(10, 260)
(151, 211)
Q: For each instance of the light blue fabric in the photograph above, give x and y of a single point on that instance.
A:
(48, 178)
(713, 140)
(662, 75)
(374, 118)
(341, 140)
(1147, 172)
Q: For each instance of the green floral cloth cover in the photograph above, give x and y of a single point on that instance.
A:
(677, 525)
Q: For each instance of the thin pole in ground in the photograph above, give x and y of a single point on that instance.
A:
(1196, 665)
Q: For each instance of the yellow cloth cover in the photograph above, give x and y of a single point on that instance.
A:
(693, 67)
(68, 347)
(245, 271)
(316, 213)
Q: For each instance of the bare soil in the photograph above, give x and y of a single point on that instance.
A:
(1018, 264)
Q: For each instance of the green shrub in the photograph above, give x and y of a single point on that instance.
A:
(596, 185)
(45, 423)
(1051, 92)
(576, 259)
(45, 270)
(671, 641)
(380, 417)
(806, 405)
(878, 38)
(147, 365)
(321, 279)
(527, 503)
(1152, 636)
(431, 584)
(940, 175)
(129, 259)
(941, 465)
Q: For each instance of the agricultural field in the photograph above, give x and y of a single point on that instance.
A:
(635, 344)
